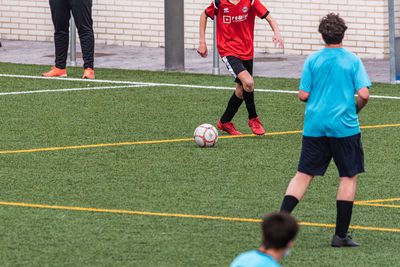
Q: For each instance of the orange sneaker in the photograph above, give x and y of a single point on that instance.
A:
(88, 73)
(55, 72)
(228, 127)
(256, 126)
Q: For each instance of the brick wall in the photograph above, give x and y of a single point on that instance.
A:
(141, 23)
(25, 20)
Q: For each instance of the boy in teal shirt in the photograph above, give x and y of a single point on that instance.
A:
(278, 233)
(329, 81)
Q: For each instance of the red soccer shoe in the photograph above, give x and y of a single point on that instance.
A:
(55, 72)
(256, 126)
(228, 127)
(88, 73)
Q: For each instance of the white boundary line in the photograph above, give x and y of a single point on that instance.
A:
(384, 97)
(166, 84)
(142, 83)
(69, 89)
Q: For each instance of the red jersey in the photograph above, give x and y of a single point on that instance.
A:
(235, 26)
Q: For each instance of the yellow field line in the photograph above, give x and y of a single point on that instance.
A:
(95, 145)
(380, 126)
(352, 227)
(166, 141)
(128, 212)
(134, 143)
(379, 200)
(181, 215)
(377, 205)
(376, 202)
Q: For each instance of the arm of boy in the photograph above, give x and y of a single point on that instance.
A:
(303, 95)
(277, 39)
(202, 49)
(362, 98)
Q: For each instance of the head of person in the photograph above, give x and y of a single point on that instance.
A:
(278, 231)
(332, 28)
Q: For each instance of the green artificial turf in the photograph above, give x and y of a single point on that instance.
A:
(239, 178)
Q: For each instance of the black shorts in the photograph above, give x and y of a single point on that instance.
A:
(317, 152)
(235, 66)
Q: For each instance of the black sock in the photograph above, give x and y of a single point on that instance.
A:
(344, 211)
(233, 106)
(289, 203)
(250, 105)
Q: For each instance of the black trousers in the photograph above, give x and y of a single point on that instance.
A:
(82, 12)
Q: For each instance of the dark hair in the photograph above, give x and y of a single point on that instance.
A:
(332, 27)
(278, 230)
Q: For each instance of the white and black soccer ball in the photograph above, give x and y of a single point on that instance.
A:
(206, 135)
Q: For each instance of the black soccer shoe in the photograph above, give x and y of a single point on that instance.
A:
(343, 242)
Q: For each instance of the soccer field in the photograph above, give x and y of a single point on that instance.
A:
(106, 172)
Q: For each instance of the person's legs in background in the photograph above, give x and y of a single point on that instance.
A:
(82, 12)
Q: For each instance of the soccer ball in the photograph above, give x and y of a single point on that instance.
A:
(205, 135)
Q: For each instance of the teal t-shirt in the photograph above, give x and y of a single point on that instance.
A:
(254, 258)
(332, 76)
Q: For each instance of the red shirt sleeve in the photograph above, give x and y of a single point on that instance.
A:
(211, 11)
(259, 9)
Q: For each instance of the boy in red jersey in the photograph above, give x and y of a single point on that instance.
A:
(235, 37)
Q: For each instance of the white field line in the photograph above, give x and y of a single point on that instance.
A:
(70, 89)
(142, 83)
(384, 97)
(167, 84)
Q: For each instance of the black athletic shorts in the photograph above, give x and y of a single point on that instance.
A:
(317, 152)
(235, 66)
